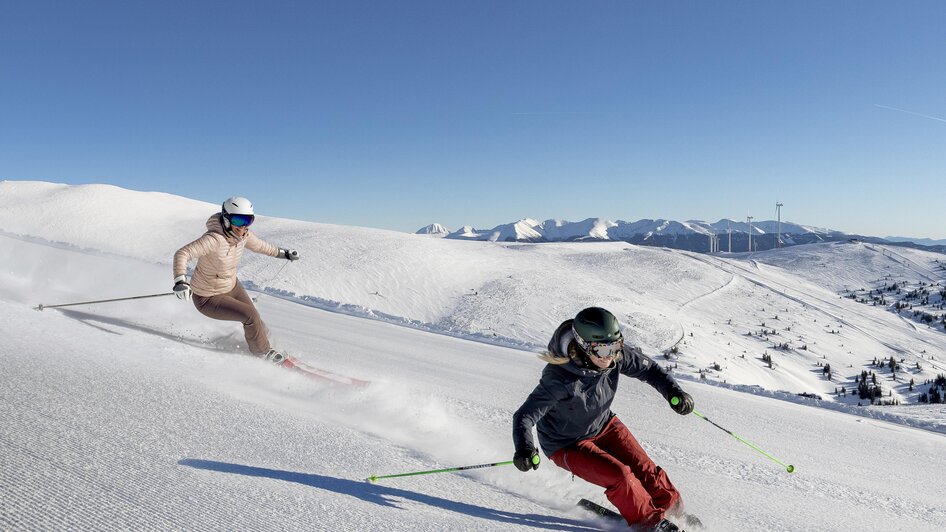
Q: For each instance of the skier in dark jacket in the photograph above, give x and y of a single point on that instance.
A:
(571, 409)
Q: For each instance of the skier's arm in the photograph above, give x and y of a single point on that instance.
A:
(204, 245)
(636, 364)
(539, 402)
(258, 245)
(531, 411)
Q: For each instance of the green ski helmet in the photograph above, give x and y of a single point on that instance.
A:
(598, 332)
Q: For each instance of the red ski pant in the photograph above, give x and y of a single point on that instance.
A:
(614, 460)
(236, 305)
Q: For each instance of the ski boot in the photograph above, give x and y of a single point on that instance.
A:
(274, 357)
(667, 526)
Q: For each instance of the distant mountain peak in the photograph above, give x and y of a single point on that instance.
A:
(433, 229)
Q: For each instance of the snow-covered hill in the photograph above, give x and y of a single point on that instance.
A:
(140, 415)
(791, 304)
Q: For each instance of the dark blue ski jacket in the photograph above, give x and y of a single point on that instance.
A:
(573, 399)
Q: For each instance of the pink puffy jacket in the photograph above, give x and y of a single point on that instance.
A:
(218, 254)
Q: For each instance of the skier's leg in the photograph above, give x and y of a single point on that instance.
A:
(618, 441)
(622, 488)
(236, 305)
(255, 330)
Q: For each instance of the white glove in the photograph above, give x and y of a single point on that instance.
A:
(182, 289)
(290, 254)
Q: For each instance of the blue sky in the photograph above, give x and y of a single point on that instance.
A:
(400, 114)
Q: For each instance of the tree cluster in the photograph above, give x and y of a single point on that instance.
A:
(767, 358)
(870, 391)
(937, 392)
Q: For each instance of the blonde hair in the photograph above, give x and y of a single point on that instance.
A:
(547, 356)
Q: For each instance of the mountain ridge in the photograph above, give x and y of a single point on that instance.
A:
(690, 235)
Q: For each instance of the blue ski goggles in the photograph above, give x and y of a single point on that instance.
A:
(601, 349)
(241, 220)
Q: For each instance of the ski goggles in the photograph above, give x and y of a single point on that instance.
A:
(241, 220)
(601, 349)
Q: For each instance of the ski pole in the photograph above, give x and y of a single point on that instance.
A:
(41, 306)
(271, 279)
(375, 478)
(788, 467)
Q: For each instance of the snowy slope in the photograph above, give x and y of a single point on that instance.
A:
(140, 415)
(727, 311)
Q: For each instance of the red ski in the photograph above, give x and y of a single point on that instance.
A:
(313, 372)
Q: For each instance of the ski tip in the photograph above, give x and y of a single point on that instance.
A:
(600, 510)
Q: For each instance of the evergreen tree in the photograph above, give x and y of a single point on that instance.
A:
(935, 396)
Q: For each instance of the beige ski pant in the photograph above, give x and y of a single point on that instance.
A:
(236, 305)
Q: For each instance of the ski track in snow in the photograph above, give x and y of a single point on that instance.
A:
(426, 417)
(130, 478)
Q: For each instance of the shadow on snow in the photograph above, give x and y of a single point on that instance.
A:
(387, 496)
(214, 344)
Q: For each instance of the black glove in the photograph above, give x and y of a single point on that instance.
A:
(289, 254)
(526, 458)
(681, 402)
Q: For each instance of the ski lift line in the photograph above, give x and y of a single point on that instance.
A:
(892, 256)
(900, 351)
(782, 290)
(930, 274)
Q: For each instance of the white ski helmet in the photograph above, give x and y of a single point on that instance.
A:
(237, 211)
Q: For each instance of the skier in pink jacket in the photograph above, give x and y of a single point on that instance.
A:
(217, 292)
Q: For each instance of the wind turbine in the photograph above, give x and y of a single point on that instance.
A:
(749, 219)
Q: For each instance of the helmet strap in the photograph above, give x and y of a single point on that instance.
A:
(227, 226)
(577, 354)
